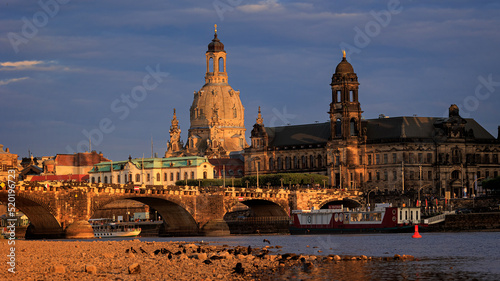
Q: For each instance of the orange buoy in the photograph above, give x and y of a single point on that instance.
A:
(416, 234)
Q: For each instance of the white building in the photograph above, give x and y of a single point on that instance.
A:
(152, 171)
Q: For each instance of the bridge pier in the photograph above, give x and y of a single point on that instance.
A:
(51, 233)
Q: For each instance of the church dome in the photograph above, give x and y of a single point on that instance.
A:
(344, 67)
(216, 45)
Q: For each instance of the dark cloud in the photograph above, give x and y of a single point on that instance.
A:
(281, 55)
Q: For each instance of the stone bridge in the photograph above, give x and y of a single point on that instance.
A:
(188, 210)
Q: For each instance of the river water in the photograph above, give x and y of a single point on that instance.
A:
(439, 256)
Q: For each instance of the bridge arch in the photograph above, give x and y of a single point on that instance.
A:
(346, 202)
(43, 222)
(177, 220)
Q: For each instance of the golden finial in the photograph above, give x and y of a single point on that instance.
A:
(343, 52)
(215, 25)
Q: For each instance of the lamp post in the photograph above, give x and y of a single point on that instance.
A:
(324, 184)
(257, 169)
(247, 182)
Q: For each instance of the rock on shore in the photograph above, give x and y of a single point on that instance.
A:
(136, 260)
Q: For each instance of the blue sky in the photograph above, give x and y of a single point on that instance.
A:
(64, 66)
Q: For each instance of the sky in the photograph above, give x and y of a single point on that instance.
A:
(66, 67)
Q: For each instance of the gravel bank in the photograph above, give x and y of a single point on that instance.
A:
(136, 260)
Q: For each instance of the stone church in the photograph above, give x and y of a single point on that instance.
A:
(217, 115)
(446, 156)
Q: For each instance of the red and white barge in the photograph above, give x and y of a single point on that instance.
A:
(337, 219)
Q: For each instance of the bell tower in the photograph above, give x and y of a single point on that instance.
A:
(216, 61)
(345, 110)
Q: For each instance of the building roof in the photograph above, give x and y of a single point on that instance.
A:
(406, 127)
(150, 163)
(81, 177)
(79, 159)
(416, 127)
(317, 133)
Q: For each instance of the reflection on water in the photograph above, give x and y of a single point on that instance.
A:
(440, 256)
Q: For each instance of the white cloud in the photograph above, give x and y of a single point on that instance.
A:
(267, 5)
(8, 81)
(18, 65)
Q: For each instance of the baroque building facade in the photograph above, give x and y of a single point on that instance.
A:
(216, 114)
(445, 156)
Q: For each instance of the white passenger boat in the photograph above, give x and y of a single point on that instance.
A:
(106, 228)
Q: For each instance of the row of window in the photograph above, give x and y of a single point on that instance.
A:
(303, 162)
(148, 178)
(421, 158)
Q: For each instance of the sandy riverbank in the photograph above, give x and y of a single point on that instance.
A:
(135, 260)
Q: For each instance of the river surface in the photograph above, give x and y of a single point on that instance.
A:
(439, 256)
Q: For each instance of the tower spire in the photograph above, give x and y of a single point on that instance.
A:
(259, 120)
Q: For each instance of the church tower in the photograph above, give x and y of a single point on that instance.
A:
(217, 115)
(174, 145)
(344, 147)
(345, 110)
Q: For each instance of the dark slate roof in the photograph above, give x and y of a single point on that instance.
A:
(415, 127)
(317, 133)
(407, 127)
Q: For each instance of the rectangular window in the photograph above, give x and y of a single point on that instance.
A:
(495, 158)
(192, 175)
(369, 176)
(149, 177)
(429, 175)
(478, 174)
(395, 175)
(165, 178)
(411, 160)
(378, 176)
(386, 177)
(369, 159)
(420, 158)
(178, 176)
(487, 175)
(171, 176)
(361, 160)
(377, 159)
(394, 158)
(386, 159)
(429, 158)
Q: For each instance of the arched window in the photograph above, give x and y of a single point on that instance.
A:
(221, 65)
(455, 174)
(211, 65)
(351, 95)
(295, 163)
(105, 179)
(320, 161)
(311, 161)
(158, 177)
(338, 128)
(280, 164)
(185, 175)
(118, 179)
(288, 163)
(339, 96)
(353, 127)
(93, 180)
(192, 175)
(271, 164)
(129, 177)
(204, 174)
(98, 179)
(304, 162)
(137, 178)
